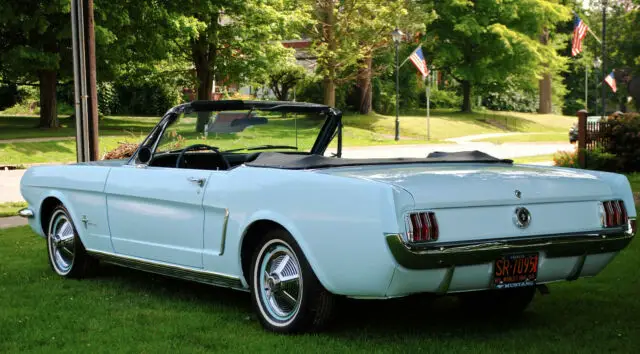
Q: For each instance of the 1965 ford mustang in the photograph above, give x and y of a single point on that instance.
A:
(297, 229)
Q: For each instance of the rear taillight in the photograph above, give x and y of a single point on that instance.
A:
(422, 227)
(613, 214)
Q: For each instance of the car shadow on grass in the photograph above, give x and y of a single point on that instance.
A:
(416, 315)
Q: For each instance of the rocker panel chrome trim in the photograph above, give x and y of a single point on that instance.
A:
(201, 276)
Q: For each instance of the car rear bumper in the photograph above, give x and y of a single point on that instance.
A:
(459, 267)
(461, 254)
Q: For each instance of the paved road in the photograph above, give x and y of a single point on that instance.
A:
(10, 180)
(504, 151)
(10, 186)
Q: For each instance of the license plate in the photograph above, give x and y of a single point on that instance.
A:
(516, 270)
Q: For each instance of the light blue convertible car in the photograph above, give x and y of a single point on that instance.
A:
(251, 202)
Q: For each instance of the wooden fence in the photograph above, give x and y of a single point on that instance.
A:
(596, 136)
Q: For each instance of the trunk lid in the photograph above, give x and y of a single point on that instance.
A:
(456, 185)
(478, 201)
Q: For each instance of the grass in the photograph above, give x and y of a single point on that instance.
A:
(530, 137)
(125, 310)
(359, 130)
(532, 159)
(11, 208)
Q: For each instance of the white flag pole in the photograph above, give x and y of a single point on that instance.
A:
(428, 94)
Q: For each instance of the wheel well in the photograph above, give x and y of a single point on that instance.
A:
(46, 209)
(250, 241)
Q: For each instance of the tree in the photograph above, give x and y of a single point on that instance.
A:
(35, 37)
(35, 44)
(281, 80)
(232, 41)
(349, 33)
(482, 41)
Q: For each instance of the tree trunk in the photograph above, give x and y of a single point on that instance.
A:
(466, 96)
(329, 92)
(545, 84)
(48, 100)
(327, 8)
(364, 85)
(545, 94)
(201, 60)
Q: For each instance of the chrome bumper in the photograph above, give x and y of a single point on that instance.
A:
(26, 213)
(447, 255)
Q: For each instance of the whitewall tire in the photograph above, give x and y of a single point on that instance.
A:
(286, 294)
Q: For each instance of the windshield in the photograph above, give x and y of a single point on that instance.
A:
(242, 130)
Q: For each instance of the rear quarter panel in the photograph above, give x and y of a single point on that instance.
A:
(338, 222)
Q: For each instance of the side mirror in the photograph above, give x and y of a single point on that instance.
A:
(144, 154)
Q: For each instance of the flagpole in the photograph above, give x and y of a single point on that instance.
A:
(415, 50)
(586, 86)
(427, 93)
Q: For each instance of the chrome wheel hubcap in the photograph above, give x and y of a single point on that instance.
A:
(280, 283)
(61, 242)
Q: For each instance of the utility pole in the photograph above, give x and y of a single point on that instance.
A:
(84, 74)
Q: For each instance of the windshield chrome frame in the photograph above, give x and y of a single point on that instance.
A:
(331, 128)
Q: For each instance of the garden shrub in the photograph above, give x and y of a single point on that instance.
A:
(596, 159)
(444, 99)
(623, 140)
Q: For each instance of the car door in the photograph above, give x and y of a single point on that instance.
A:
(156, 213)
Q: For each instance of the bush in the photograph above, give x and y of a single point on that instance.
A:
(107, 98)
(511, 100)
(596, 159)
(445, 99)
(622, 136)
(146, 98)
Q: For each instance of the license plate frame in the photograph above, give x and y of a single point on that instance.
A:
(515, 270)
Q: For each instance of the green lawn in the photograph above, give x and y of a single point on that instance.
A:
(11, 208)
(359, 130)
(535, 158)
(125, 310)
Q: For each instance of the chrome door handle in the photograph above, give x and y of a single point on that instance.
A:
(198, 181)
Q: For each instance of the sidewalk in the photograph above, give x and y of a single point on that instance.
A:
(35, 140)
(12, 221)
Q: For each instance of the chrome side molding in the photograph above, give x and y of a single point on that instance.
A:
(26, 213)
(175, 271)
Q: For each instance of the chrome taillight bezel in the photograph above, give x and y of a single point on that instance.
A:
(613, 213)
(426, 222)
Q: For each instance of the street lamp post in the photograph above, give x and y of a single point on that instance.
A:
(397, 37)
(604, 56)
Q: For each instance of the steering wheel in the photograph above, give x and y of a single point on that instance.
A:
(180, 160)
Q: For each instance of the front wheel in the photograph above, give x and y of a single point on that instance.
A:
(286, 294)
(67, 255)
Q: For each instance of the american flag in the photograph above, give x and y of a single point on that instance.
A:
(611, 81)
(417, 58)
(579, 32)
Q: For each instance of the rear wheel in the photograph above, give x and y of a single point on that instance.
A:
(286, 294)
(67, 255)
(501, 302)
